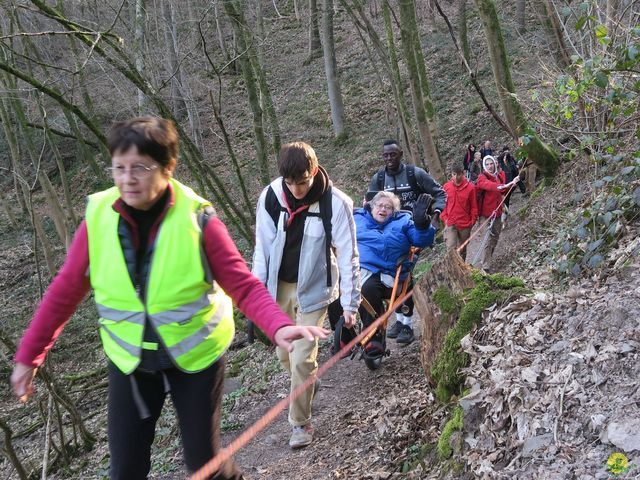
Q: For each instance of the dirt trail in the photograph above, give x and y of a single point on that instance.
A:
(350, 413)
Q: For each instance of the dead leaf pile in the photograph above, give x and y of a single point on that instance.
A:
(554, 383)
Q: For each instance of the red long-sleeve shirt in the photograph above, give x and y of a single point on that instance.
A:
(461, 210)
(71, 284)
(492, 195)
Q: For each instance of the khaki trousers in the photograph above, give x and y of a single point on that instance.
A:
(492, 241)
(454, 237)
(301, 363)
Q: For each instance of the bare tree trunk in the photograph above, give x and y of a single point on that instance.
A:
(553, 32)
(538, 152)
(70, 215)
(220, 33)
(331, 70)
(25, 188)
(612, 15)
(18, 121)
(398, 87)
(237, 19)
(314, 31)
(139, 44)
(260, 36)
(422, 105)
(389, 60)
(296, 10)
(175, 72)
(520, 15)
(7, 209)
(462, 30)
(7, 448)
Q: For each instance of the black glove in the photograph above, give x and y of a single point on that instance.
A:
(421, 207)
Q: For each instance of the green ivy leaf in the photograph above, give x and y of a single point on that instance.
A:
(601, 31)
(593, 245)
(595, 260)
(581, 22)
(601, 79)
(575, 270)
(632, 53)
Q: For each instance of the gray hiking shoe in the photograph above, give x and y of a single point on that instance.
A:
(395, 330)
(301, 436)
(406, 335)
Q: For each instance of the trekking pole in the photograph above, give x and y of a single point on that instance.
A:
(251, 333)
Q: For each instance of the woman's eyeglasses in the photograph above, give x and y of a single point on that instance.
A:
(383, 206)
(138, 171)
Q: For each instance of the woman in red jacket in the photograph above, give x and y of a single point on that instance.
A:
(461, 210)
(491, 184)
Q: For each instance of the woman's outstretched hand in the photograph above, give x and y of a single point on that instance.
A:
(22, 381)
(285, 336)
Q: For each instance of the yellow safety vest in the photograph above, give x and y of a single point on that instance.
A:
(192, 317)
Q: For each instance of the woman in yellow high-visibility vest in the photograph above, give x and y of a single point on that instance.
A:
(161, 265)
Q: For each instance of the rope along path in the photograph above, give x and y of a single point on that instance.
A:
(250, 433)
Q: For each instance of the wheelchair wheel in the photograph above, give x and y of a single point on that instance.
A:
(336, 335)
(373, 363)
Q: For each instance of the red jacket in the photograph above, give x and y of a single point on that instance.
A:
(492, 197)
(461, 210)
(71, 284)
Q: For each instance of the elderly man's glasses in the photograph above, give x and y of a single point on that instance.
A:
(138, 171)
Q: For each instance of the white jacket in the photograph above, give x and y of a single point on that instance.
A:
(313, 292)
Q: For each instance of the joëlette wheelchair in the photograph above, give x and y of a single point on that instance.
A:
(372, 348)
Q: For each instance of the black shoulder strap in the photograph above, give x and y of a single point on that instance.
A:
(204, 216)
(381, 179)
(272, 205)
(411, 176)
(325, 214)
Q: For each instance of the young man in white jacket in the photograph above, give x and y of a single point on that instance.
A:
(306, 254)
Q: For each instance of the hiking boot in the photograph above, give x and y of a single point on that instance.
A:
(395, 330)
(406, 335)
(301, 436)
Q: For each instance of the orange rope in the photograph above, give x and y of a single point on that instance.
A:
(250, 433)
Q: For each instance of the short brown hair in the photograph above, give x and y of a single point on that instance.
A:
(297, 159)
(153, 136)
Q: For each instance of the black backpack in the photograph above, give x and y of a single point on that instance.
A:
(273, 207)
(411, 177)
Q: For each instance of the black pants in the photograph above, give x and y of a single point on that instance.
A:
(375, 292)
(197, 398)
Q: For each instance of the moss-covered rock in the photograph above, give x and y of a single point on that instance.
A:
(489, 289)
(445, 447)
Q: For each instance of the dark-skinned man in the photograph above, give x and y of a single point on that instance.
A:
(407, 181)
